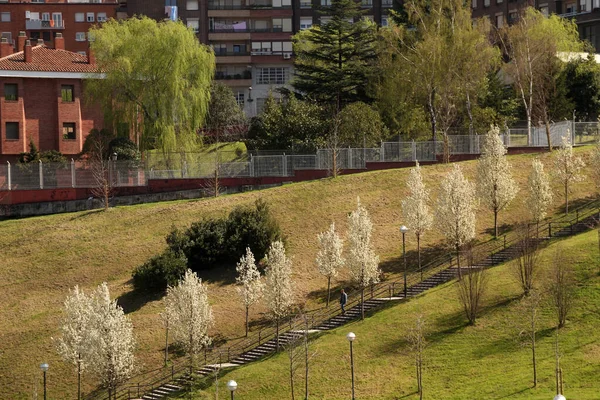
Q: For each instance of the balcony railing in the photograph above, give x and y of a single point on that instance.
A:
(219, 53)
(247, 30)
(224, 76)
(38, 24)
(255, 5)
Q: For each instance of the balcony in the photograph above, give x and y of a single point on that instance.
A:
(223, 76)
(41, 25)
(255, 5)
(247, 30)
(224, 53)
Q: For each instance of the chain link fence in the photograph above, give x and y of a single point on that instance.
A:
(271, 163)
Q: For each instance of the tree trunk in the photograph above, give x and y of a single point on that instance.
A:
(306, 362)
(495, 224)
(533, 360)
(362, 302)
(247, 328)
(166, 345)
(419, 254)
(470, 114)
(566, 197)
(547, 125)
(328, 290)
(292, 377)
(277, 333)
(458, 262)
(79, 377)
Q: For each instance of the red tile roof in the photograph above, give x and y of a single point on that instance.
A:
(44, 59)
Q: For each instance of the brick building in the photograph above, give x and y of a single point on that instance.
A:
(44, 19)
(585, 12)
(42, 99)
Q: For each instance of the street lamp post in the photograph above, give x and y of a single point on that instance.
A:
(351, 336)
(404, 229)
(44, 367)
(231, 386)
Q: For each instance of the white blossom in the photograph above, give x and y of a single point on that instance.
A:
(250, 287)
(72, 345)
(540, 193)
(279, 287)
(189, 313)
(362, 261)
(415, 207)
(567, 167)
(456, 208)
(329, 257)
(496, 186)
(111, 341)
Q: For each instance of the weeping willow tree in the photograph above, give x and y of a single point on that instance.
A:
(157, 78)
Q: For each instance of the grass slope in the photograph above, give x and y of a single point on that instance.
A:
(42, 257)
(485, 361)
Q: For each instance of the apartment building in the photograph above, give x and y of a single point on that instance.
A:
(42, 99)
(251, 38)
(43, 19)
(585, 12)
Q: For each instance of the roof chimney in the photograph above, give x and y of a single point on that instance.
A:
(21, 40)
(28, 53)
(59, 42)
(40, 42)
(90, 56)
(6, 48)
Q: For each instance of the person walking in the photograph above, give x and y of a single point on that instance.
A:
(343, 301)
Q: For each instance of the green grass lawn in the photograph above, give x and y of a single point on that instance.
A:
(42, 257)
(485, 361)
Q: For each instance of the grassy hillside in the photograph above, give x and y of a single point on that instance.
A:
(43, 257)
(485, 361)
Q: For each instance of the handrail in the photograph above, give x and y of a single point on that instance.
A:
(180, 367)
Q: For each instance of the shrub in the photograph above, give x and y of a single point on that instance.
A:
(160, 271)
(203, 243)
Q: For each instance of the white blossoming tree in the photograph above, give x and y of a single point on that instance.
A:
(111, 341)
(362, 261)
(415, 208)
(189, 314)
(72, 345)
(329, 258)
(456, 210)
(495, 183)
(279, 286)
(567, 167)
(250, 287)
(539, 191)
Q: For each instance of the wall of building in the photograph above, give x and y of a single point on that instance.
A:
(41, 113)
(69, 29)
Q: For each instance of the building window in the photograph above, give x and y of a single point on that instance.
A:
(12, 131)
(387, 3)
(192, 5)
(80, 36)
(69, 131)
(90, 17)
(305, 3)
(326, 3)
(66, 93)
(277, 25)
(11, 91)
(7, 35)
(79, 17)
(45, 16)
(305, 23)
(325, 20)
(101, 17)
(272, 75)
(499, 1)
(499, 20)
(544, 10)
(512, 17)
(5, 17)
(194, 24)
(571, 8)
(384, 21)
(57, 20)
(486, 3)
(366, 3)
(240, 98)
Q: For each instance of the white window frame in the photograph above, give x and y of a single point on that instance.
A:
(304, 25)
(101, 17)
(90, 17)
(80, 37)
(5, 16)
(194, 5)
(195, 24)
(79, 17)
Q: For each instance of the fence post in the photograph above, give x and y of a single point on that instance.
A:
(573, 130)
(9, 175)
(414, 150)
(41, 167)
(382, 153)
(72, 173)
(251, 165)
(349, 158)
(284, 165)
(138, 389)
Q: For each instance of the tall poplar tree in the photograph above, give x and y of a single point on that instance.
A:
(334, 60)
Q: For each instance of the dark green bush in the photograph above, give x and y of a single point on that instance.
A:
(203, 243)
(160, 271)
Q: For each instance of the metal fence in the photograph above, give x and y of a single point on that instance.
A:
(274, 164)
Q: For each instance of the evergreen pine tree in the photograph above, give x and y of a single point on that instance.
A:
(334, 60)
